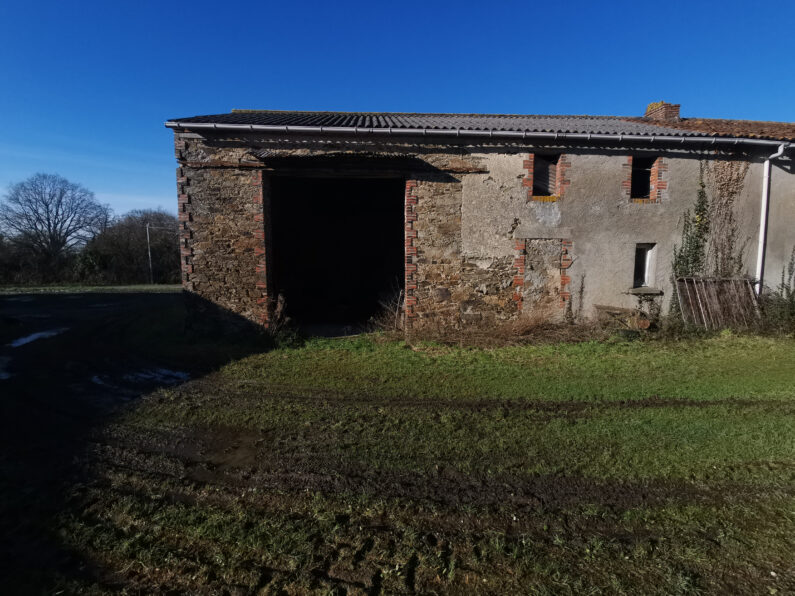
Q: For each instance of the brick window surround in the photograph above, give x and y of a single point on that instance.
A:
(562, 181)
(658, 183)
(519, 266)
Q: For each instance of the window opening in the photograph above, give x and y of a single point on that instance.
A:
(545, 175)
(644, 265)
(641, 177)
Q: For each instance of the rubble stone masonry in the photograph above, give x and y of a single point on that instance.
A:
(222, 238)
(477, 251)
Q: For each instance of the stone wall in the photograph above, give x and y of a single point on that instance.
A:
(438, 251)
(222, 238)
(467, 211)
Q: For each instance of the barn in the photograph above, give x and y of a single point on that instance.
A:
(468, 219)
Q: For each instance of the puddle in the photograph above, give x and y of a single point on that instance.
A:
(4, 361)
(158, 375)
(161, 376)
(34, 336)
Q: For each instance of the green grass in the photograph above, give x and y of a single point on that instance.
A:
(717, 368)
(367, 465)
(83, 289)
(627, 410)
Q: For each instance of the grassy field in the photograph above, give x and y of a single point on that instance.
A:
(370, 466)
(82, 289)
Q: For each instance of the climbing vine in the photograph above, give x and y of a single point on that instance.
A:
(725, 249)
(689, 257)
(710, 243)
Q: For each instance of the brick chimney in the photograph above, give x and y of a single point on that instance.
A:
(662, 111)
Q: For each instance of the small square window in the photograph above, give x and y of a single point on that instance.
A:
(641, 177)
(644, 265)
(545, 175)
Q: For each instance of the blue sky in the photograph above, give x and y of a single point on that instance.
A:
(86, 86)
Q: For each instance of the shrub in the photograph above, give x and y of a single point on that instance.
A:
(778, 306)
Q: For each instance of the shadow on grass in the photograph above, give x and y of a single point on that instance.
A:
(62, 389)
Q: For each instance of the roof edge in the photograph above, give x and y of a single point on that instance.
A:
(503, 134)
(473, 114)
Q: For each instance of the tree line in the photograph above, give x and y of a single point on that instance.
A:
(56, 231)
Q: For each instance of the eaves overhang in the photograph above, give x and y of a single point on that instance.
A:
(667, 140)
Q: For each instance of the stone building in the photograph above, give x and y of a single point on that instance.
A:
(467, 218)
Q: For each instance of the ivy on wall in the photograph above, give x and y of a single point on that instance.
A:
(689, 257)
(710, 244)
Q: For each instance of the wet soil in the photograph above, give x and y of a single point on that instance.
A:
(249, 459)
(54, 392)
(68, 455)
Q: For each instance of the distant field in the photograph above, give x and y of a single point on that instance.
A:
(368, 466)
(67, 289)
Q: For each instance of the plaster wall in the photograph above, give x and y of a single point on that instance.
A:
(604, 226)
(781, 227)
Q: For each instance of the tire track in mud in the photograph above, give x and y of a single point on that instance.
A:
(246, 461)
(553, 408)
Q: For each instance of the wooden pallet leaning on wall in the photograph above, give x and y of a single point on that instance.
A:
(718, 303)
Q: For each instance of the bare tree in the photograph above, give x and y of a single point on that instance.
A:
(50, 216)
(119, 253)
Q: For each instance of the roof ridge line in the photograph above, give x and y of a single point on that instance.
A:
(451, 114)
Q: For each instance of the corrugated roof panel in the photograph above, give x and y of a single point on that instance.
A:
(496, 122)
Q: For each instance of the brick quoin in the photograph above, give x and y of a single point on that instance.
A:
(185, 218)
(520, 252)
(260, 269)
(566, 261)
(658, 182)
(626, 182)
(562, 181)
(411, 200)
(527, 181)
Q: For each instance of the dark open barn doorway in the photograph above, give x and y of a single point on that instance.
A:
(338, 249)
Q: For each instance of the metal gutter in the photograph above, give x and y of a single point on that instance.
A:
(763, 217)
(492, 134)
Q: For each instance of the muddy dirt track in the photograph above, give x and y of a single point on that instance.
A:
(55, 389)
(95, 502)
